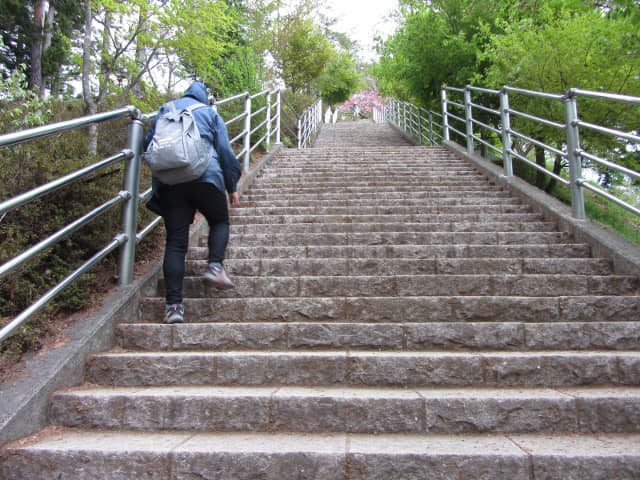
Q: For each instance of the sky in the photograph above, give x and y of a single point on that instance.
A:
(361, 20)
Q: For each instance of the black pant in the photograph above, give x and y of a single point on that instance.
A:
(179, 204)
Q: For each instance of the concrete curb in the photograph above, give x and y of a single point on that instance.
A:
(604, 243)
(24, 403)
(405, 135)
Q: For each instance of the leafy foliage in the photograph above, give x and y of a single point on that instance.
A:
(18, 33)
(30, 165)
(302, 52)
(338, 80)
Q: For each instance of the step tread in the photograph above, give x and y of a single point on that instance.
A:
(475, 394)
(524, 445)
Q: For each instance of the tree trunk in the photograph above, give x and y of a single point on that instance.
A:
(557, 168)
(48, 35)
(92, 108)
(136, 87)
(36, 47)
(541, 178)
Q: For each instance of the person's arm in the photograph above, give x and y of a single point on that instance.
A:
(231, 170)
(151, 132)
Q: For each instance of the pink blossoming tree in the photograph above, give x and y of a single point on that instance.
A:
(366, 100)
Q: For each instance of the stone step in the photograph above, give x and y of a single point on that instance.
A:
(374, 203)
(402, 309)
(412, 160)
(261, 266)
(350, 410)
(391, 227)
(403, 251)
(409, 163)
(355, 184)
(397, 238)
(366, 170)
(382, 210)
(485, 192)
(369, 190)
(485, 369)
(373, 177)
(110, 455)
(435, 336)
(437, 218)
(413, 286)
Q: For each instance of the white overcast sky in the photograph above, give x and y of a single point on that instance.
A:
(361, 20)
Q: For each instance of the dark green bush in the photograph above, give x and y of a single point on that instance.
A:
(32, 164)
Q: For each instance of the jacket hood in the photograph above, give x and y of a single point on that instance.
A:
(198, 91)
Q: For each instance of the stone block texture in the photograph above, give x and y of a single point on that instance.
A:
(396, 316)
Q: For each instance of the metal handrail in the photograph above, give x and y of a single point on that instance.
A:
(404, 116)
(54, 185)
(61, 234)
(421, 121)
(309, 121)
(130, 196)
(571, 152)
(30, 134)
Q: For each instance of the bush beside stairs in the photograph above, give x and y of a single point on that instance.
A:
(396, 316)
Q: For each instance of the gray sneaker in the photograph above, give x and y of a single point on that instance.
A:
(218, 277)
(174, 313)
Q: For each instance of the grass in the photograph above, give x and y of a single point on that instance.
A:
(608, 214)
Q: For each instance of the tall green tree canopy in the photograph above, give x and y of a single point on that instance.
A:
(301, 51)
(437, 42)
(339, 79)
(451, 41)
(37, 37)
(564, 49)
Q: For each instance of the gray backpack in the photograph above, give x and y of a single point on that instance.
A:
(177, 153)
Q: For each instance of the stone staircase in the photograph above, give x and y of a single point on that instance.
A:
(396, 316)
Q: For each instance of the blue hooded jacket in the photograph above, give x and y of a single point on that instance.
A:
(224, 170)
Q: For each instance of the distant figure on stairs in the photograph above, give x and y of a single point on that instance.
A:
(356, 112)
(327, 115)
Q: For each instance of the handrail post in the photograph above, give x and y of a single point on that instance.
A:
(278, 113)
(445, 116)
(420, 125)
(506, 133)
(130, 210)
(300, 132)
(468, 116)
(404, 116)
(573, 146)
(430, 127)
(268, 122)
(247, 130)
(413, 120)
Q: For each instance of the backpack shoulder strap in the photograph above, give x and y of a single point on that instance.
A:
(195, 106)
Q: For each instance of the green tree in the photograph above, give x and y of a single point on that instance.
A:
(439, 42)
(564, 49)
(339, 80)
(37, 36)
(301, 52)
(200, 33)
